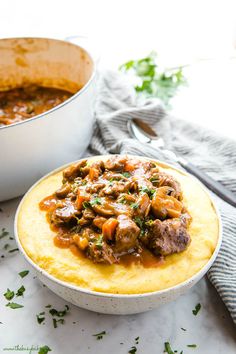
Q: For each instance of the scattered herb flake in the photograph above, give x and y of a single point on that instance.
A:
(44, 350)
(9, 294)
(197, 309)
(126, 174)
(48, 306)
(192, 346)
(62, 313)
(14, 305)
(23, 273)
(40, 317)
(13, 250)
(168, 348)
(20, 291)
(134, 205)
(184, 329)
(86, 205)
(99, 335)
(95, 201)
(55, 322)
(99, 241)
(133, 350)
(6, 246)
(3, 233)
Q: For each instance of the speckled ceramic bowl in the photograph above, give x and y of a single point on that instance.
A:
(118, 304)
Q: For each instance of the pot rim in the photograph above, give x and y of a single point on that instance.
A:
(73, 97)
(197, 276)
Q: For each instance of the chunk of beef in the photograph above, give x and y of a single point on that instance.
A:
(168, 180)
(73, 171)
(115, 188)
(95, 187)
(64, 214)
(101, 254)
(126, 235)
(168, 236)
(115, 163)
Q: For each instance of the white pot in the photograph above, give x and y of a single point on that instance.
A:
(33, 147)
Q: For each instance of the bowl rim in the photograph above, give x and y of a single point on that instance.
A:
(73, 97)
(194, 278)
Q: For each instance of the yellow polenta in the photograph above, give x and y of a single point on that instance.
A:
(36, 238)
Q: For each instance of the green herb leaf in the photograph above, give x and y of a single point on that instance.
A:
(99, 335)
(86, 205)
(20, 291)
(154, 82)
(192, 346)
(23, 273)
(40, 317)
(3, 233)
(13, 305)
(99, 241)
(147, 190)
(9, 294)
(134, 205)
(197, 309)
(126, 174)
(55, 322)
(44, 350)
(168, 348)
(184, 329)
(95, 201)
(62, 313)
(48, 306)
(13, 250)
(133, 350)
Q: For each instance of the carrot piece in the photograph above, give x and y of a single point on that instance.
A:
(81, 198)
(81, 242)
(93, 173)
(129, 166)
(108, 228)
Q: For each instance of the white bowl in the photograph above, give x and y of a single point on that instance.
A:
(116, 304)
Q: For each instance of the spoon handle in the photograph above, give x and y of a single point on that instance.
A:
(211, 183)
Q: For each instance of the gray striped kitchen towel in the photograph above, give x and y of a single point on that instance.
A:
(216, 155)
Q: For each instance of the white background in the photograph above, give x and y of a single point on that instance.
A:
(182, 32)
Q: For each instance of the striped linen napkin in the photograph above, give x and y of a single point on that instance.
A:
(212, 153)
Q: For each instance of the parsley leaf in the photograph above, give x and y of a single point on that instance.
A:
(40, 317)
(133, 350)
(13, 305)
(55, 322)
(62, 313)
(197, 309)
(152, 81)
(9, 294)
(126, 174)
(95, 201)
(3, 233)
(99, 241)
(23, 273)
(134, 205)
(44, 350)
(192, 345)
(168, 349)
(99, 335)
(13, 250)
(20, 291)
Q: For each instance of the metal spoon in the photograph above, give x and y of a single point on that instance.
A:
(141, 131)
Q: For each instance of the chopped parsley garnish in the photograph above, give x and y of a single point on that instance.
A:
(95, 201)
(86, 205)
(141, 224)
(134, 205)
(133, 350)
(154, 180)
(99, 335)
(3, 233)
(197, 309)
(40, 317)
(48, 306)
(147, 190)
(192, 346)
(23, 273)
(84, 182)
(20, 291)
(126, 174)
(62, 313)
(6, 246)
(9, 294)
(99, 241)
(136, 340)
(184, 329)
(55, 322)
(14, 305)
(13, 250)
(44, 350)
(168, 348)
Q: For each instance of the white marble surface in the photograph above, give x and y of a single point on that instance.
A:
(212, 330)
